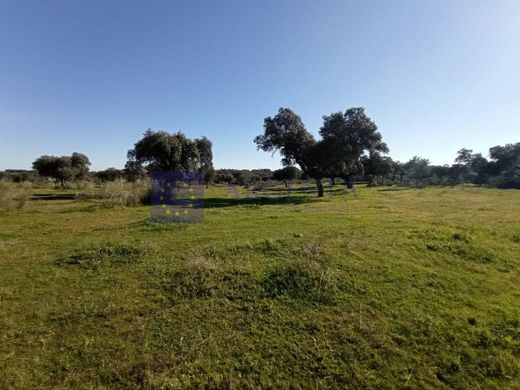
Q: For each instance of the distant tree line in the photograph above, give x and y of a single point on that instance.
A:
(18, 175)
(501, 169)
(350, 149)
(156, 151)
(247, 177)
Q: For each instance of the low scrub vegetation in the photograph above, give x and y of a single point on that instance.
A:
(123, 193)
(460, 243)
(202, 277)
(94, 257)
(301, 280)
(14, 195)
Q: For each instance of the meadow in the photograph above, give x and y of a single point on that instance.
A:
(392, 288)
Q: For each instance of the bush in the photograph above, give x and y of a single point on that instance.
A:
(507, 181)
(14, 196)
(109, 254)
(301, 280)
(122, 193)
(200, 278)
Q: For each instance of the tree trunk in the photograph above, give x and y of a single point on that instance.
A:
(350, 182)
(332, 181)
(285, 182)
(320, 188)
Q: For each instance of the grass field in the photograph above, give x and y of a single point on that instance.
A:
(394, 288)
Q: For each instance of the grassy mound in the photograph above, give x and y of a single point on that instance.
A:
(109, 254)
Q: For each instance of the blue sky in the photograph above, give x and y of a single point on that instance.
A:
(91, 76)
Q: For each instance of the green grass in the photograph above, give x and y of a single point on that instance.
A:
(394, 288)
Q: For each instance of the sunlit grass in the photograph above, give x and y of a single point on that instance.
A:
(392, 288)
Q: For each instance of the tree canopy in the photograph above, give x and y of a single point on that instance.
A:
(287, 173)
(162, 151)
(345, 139)
(64, 168)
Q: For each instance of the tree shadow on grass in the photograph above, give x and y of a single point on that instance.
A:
(302, 190)
(293, 189)
(83, 209)
(394, 189)
(53, 197)
(256, 201)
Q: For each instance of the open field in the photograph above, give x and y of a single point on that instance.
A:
(415, 288)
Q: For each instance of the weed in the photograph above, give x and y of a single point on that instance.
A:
(122, 193)
(200, 278)
(149, 225)
(460, 244)
(300, 281)
(96, 256)
(14, 195)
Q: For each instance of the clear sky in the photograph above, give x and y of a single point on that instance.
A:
(91, 76)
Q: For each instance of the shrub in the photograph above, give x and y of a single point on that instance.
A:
(122, 193)
(301, 280)
(85, 189)
(460, 244)
(110, 254)
(200, 278)
(507, 181)
(197, 280)
(13, 195)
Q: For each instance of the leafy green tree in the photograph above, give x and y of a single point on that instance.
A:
(471, 167)
(109, 174)
(464, 156)
(242, 177)
(504, 158)
(440, 172)
(375, 165)
(262, 174)
(223, 176)
(505, 165)
(133, 171)
(346, 138)
(286, 133)
(287, 173)
(399, 171)
(80, 165)
(63, 168)
(162, 151)
(205, 159)
(18, 175)
(417, 169)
